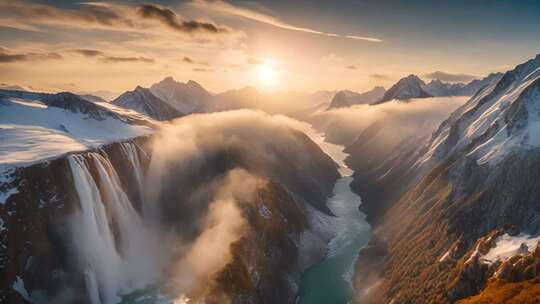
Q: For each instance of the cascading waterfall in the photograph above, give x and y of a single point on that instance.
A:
(130, 150)
(114, 245)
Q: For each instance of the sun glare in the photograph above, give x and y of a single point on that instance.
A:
(267, 74)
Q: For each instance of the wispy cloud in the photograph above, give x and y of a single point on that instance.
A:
(170, 19)
(11, 57)
(114, 59)
(145, 18)
(89, 52)
(450, 77)
(227, 8)
(380, 76)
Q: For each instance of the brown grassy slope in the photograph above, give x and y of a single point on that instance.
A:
(499, 291)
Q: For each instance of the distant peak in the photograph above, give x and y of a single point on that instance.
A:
(193, 83)
(168, 80)
(413, 78)
(140, 89)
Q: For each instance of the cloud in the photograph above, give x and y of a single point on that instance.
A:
(104, 57)
(145, 18)
(203, 70)
(114, 59)
(170, 19)
(6, 57)
(28, 15)
(253, 61)
(352, 67)
(419, 117)
(379, 76)
(89, 52)
(449, 77)
(227, 8)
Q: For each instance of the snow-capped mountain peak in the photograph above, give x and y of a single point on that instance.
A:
(406, 88)
(185, 97)
(499, 119)
(143, 101)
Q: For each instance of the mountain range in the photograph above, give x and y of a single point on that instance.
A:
(414, 87)
(346, 98)
(457, 212)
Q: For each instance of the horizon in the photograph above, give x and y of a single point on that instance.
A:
(104, 92)
(354, 45)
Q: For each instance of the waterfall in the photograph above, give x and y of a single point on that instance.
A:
(113, 243)
(130, 151)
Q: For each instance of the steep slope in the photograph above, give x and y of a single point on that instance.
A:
(474, 207)
(438, 88)
(345, 98)
(406, 88)
(81, 227)
(143, 101)
(339, 100)
(34, 130)
(186, 97)
(472, 87)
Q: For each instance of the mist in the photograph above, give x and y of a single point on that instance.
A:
(204, 168)
(394, 120)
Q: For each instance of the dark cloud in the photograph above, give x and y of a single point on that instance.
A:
(352, 67)
(7, 58)
(89, 52)
(187, 60)
(449, 77)
(88, 13)
(379, 76)
(22, 57)
(253, 61)
(114, 59)
(169, 18)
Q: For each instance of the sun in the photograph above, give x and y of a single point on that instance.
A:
(268, 75)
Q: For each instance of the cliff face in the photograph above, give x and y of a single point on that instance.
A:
(460, 215)
(73, 228)
(37, 248)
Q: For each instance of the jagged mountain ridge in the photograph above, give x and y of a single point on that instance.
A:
(346, 98)
(437, 87)
(414, 87)
(475, 186)
(143, 101)
(71, 102)
(186, 97)
(406, 88)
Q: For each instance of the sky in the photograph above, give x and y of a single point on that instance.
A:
(271, 45)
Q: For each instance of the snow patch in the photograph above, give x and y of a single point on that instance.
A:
(31, 132)
(507, 246)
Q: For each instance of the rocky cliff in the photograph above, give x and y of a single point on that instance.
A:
(75, 227)
(461, 215)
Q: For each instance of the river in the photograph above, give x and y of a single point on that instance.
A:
(329, 282)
